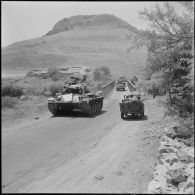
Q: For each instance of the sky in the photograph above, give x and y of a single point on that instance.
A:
(26, 20)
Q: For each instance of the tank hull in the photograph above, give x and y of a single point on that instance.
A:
(90, 107)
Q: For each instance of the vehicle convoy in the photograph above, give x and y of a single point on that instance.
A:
(75, 97)
(120, 86)
(132, 104)
(122, 78)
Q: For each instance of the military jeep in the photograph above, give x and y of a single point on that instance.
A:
(132, 104)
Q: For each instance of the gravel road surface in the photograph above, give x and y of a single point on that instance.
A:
(79, 154)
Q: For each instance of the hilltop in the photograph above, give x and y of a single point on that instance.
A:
(79, 41)
(89, 21)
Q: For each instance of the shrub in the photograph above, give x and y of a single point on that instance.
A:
(47, 93)
(101, 73)
(134, 80)
(8, 102)
(11, 90)
(55, 77)
(52, 71)
(55, 88)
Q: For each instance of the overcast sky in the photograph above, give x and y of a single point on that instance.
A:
(25, 20)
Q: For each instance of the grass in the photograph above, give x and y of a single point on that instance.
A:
(33, 86)
(36, 91)
(8, 102)
(24, 110)
(11, 90)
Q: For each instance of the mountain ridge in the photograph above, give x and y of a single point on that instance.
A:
(86, 21)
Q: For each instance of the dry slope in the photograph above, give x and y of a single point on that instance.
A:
(89, 41)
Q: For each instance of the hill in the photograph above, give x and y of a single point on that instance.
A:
(89, 21)
(79, 41)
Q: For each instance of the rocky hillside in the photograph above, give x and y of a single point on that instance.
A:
(79, 41)
(90, 21)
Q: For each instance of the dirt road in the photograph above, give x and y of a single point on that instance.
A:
(80, 154)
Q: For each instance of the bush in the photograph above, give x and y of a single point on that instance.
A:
(8, 102)
(55, 77)
(11, 90)
(101, 73)
(47, 93)
(55, 88)
(52, 71)
(134, 80)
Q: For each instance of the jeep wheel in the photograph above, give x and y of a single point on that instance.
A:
(142, 115)
(122, 115)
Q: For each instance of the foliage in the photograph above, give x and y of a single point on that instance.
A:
(8, 102)
(94, 85)
(134, 80)
(55, 77)
(52, 71)
(169, 44)
(101, 73)
(149, 87)
(54, 88)
(11, 90)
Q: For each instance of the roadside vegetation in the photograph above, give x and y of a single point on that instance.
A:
(170, 75)
(27, 96)
(170, 63)
(170, 66)
(9, 102)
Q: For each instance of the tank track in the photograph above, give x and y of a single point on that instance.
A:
(95, 107)
(52, 109)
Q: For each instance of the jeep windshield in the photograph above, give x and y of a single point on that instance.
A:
(120, 84)
(136, 97)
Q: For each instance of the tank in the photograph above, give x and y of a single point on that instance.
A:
(76, 97)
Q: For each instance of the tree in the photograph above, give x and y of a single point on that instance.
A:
(169, 44)
(134, 80)
(52, 71)
(102, 73)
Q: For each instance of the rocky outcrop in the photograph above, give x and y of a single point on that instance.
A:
(84, 21)
(174, 171)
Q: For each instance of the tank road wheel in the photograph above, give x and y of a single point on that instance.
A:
(99, 106)
(122, 115)
(52, 109)
(90, 110)
(93, 108)
(54, 113)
